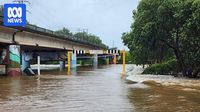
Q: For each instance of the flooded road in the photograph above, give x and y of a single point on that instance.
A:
(99, 90)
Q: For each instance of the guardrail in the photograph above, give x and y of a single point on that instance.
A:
(31, 27)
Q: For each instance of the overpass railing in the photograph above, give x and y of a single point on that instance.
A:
(40, 30)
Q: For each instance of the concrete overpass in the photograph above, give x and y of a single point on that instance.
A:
(20, 45)
(34, 36)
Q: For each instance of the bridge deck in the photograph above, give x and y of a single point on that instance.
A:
(45, 32)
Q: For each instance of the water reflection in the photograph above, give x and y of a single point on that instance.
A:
(87, 90)
(15, 86)
(159, 98)
(163, 93)
(99, 90)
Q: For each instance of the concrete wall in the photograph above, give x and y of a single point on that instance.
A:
(33, 39)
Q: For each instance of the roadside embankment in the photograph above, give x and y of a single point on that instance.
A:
(134, 75)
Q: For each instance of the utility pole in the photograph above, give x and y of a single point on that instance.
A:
(82, 30)
(113, 43)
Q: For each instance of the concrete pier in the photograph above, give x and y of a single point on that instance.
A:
(107, 61)
(114, 59)
(62, 65)
(95, 60)
(73, 61)
(25, 67)
(13, 68)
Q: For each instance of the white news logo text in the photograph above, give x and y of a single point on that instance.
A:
(14, 15)
(14, 12)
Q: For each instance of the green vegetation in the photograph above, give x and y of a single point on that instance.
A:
(82, 36)
(89, 37)
(164, 29)
(64, 31)
(103, 61)
(1, 10)
(162, 68)
(85, 62)
(128, 58)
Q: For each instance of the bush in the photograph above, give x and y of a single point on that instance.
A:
(166, 68)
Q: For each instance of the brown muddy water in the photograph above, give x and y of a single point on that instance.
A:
(99, 90)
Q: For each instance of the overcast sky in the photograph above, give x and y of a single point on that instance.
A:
(107, 19)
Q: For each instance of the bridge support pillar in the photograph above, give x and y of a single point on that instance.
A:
(62, 65)
(107, 61)
(26, 68)
(114, 59)
(73, 61)
(110, 59)
(95, 60)
(13, 68)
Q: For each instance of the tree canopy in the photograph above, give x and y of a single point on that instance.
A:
(164, 29)
(82, 36)
(1, 10)
(88, 37)
(64, 31)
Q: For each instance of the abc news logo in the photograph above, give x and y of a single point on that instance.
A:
(14, 14)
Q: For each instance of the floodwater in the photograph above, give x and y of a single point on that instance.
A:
(99, 90)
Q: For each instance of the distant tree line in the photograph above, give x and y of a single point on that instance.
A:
(164, 30)
(1, 10)
(82, 36)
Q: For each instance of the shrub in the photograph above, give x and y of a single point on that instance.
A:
(166, 68)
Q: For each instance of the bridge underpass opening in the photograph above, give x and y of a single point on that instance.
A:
(42, 55)
(28, 55)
